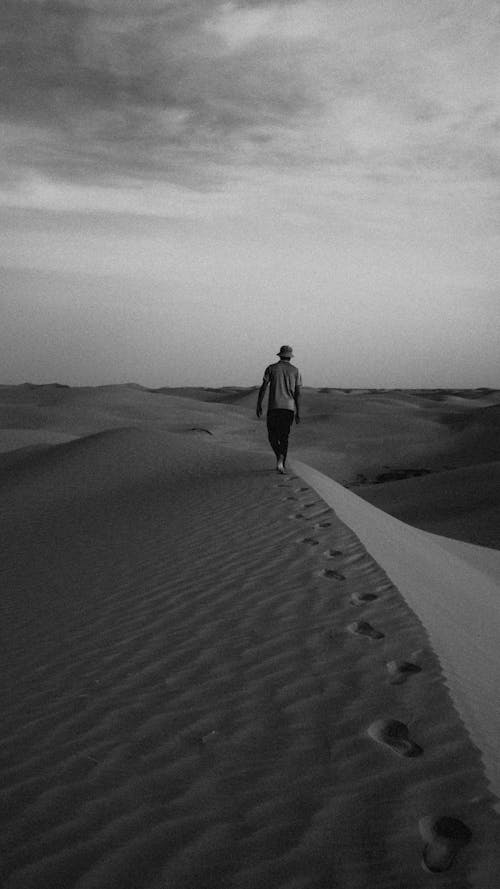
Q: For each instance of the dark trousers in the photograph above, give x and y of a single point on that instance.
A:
(279, 423)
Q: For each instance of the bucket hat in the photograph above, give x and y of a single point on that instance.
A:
(285, 352)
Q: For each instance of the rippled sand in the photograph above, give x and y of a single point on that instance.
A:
(184, 703)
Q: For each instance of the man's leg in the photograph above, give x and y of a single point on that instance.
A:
(285, 424)
(273, 431)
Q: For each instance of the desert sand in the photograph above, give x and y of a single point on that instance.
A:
(215, 677)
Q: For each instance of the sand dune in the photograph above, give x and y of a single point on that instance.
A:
(454, 590)
(210, 679)
(85, 410)
(13, 439)
(462, 503)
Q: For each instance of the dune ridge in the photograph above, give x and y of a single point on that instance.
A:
(454, 589)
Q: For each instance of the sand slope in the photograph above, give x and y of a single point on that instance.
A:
(455, 590)
(183, 702)
(461, 503)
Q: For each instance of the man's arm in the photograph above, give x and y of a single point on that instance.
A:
(260, 397)
(296, 399)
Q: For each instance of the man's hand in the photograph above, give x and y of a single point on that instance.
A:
(297, 419)
(258, 411)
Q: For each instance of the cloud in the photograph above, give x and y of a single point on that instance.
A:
(106, 90)
(243, 24)
(196, 92)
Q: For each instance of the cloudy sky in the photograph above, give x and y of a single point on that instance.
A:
(187, 184)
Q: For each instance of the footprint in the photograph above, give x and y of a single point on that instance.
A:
(399, 671)
(311, 541)
(322, 524)
(331, 574)
(444, 837)
(290, 497)
(297, 515)
(333, 553)
(394, 734)
(363, 628)
(360, 599)
(308, 505)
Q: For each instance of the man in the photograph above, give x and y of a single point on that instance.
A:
(284, 383)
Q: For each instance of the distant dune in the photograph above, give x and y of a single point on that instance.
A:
(463, 503)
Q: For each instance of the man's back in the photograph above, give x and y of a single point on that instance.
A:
(284, 379)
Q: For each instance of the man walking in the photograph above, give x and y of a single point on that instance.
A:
(284, 381)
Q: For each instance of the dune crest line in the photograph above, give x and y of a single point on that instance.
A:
(454, 595)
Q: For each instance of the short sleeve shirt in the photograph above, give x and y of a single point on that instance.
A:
(284, 380)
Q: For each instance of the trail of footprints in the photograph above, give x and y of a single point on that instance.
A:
(443, 836)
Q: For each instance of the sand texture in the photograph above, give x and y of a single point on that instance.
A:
(208, 679)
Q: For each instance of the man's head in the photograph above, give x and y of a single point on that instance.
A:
(285, 353)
